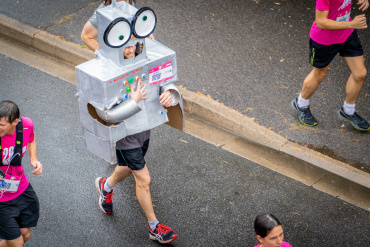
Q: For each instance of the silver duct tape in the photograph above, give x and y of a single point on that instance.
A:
(120, 112)
(105, 149)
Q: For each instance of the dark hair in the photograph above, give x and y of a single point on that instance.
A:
(107, 2)
(9, 110)
(264, 223)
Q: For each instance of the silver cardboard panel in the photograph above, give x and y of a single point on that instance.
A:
(104, 149)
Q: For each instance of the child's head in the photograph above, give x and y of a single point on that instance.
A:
(268, 230)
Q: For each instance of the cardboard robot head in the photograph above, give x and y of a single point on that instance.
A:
(121, 25)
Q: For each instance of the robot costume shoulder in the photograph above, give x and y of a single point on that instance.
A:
(107, 111)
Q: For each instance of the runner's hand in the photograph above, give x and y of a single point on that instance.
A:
(359, 22)
(364, 4)
(166, 99)
(139, 93)
(38, 167)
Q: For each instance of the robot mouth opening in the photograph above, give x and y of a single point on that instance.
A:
(133, 50)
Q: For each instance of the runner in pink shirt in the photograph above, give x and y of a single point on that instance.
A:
(19, 205)
(269, 231)
(333, 32)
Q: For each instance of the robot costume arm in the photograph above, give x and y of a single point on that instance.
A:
(119, 112)
(175, 93)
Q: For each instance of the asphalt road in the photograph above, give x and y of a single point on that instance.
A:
(250, 55)
(206, 194)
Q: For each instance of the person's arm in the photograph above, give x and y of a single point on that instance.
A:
(322, 22)
(32, 151)
(88, 36)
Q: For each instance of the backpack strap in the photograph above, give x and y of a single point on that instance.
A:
(17, 160)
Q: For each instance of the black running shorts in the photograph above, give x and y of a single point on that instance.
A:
(322, 55)
(21, 212)
(133, 158)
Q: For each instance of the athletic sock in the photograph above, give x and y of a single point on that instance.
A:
(302, 102)
(153, 224)
(107, 187)
(349, 109)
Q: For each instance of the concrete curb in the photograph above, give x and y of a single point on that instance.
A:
(227, 118)
(43, 41)
(340, 174)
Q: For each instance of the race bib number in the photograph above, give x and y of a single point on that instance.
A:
(10, 184)
(344, 16)
(160, 73)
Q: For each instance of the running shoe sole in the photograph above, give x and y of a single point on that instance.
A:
(162, 242)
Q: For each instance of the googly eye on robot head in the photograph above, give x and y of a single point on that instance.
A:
(118, 33)
(144, 22)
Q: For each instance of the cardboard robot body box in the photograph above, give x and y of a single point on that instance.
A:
(107, 112)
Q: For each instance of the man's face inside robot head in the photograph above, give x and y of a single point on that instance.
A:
(129, 52)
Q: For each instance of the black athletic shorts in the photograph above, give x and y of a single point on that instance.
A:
(21, 212)
(133, 158)
(322, 55)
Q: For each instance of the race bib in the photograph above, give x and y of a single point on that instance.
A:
(160, 73)
(344, 16)
(10, 184)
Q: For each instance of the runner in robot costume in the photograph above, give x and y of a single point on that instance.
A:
(107, 112)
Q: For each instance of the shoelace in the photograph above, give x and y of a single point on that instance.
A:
(307, 111)
(163, 229)
(109, 197)
(357, 118)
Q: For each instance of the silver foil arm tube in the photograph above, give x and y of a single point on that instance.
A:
(176, 96)
(119, 112)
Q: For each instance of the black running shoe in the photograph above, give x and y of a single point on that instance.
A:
(356, 120)
(162, 234)
(105, 198)
(304, 114)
